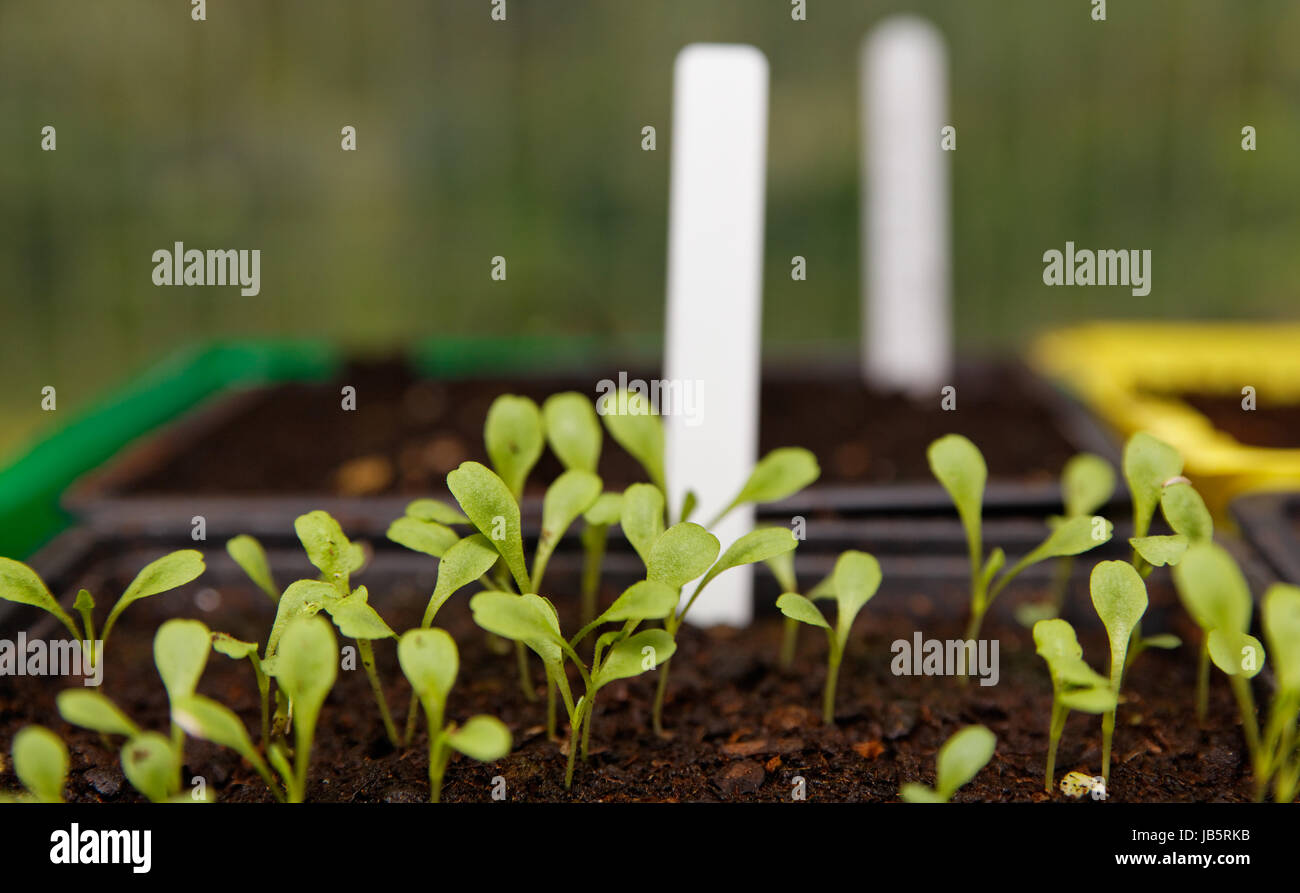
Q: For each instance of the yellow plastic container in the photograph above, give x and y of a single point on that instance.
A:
(1124, 372)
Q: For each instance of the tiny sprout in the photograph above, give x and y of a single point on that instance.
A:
(490, 507)
(180, 652)
(235, 649)
(208, 720)
(1280, 759)
(960, 760)
(1216, 595)
(248, 553)
(854, 581)
(41, 763)
(430, 661)
(781, 473)
(619, 654)
(150, 761)
(1120, 597)
(1075, 685)
(19, 583)
(959, 467)
(305, 667)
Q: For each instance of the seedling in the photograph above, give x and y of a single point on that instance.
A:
(1281, 758)
(41, 764)
(1075, 685)
(1087, 483)
(1120, 597)
(236, 649)
(19, 583)
(618, 654)
(1217, 596)
(959, 467)
(305, 667)
(854, 581)
(782, 568)
(960, 760)
(149, 760)
(430, 661)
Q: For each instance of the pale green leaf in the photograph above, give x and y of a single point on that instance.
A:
(644, 600)
(249, 555)
(93, 710)
(430, 661)
(796, 607)
(781, 473)
(464, 563)
(1212, 588)
(643, 517)
(209, 720)
(680, 554)
(856, 578)
(236, 649)
(1148, 464)
(1281, 620)
(514, 439)
(328, 548)
(630, 420)
(356, 619)
(307, 664)
(606, 510)
(180, 651)
(19, 583)
(757, 545)
(163, 575)
(149, 764)
(572, 430)
(959, 466)
(1186, 513)
(487, 501)
(1159, 551)
(435, 511)
(919, 793)
(961, 757)
(483, 738)
(41, 763)
(430, 537)
(1087, 483)
(637, 654)
(1120, 598)
(1236, 653)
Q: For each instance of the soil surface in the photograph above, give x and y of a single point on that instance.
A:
(1268, 425)
(741, 728)
(406, 433)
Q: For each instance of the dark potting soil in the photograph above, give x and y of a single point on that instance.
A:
(406, 433)
(741, 728)
(1267, 425)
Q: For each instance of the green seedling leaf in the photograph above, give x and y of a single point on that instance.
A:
(94, 711)
(1074, 536)
(1212, 588)
(1055, 641)
(430, 661)
(1186, 513)
(1148, 464)
(757, 545)
(160, 576)
(1120, 597)
(637, 654)
(919, 793)
(483, 738)
(959, 466)
(796, 607)
(1163, 641)
(572, 493)
(180, 651)
(1282, 630)
(606, 510)
(514, 439)
(307, 665)
(41, 763)
(235, 649)
(303, 598)
(20, 584)
(1159, 551)
(630, 420)
(962, 757)
(208, 720)
(434, 511)
(430, 537)
(149, 763)
(781, 473)
(464, 563)
(680, 554)
(643, 517)
(644, 600)
(572, 430)
(491, 508)
(519, 618)
(249, 555)
(1236, 653)
(328, 548)
(356, 619)
(856, 578)
(1094, 699)
(690, 502)
(1087, 483)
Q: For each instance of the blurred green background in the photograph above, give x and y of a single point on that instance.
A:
(480, 138)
